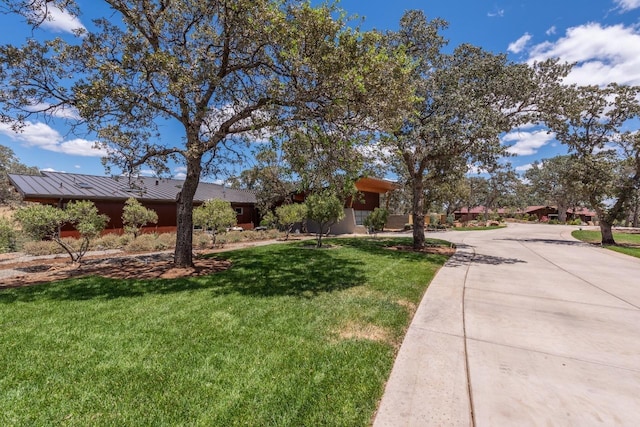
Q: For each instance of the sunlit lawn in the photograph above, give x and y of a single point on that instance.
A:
(288, 336)
(629, 243)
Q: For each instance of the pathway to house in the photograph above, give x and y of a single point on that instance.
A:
(523, 326)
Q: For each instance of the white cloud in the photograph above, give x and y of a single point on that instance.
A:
(497, 13)
(45, 137)
(602, 54)
(524, 168)
(527, 143)
(180, 175)
(51, 170)
(180, 169)
(65, 112)
(61, 21)
(551, 31)
(519, 45)
(627, 5)
(77, 166)
(476, 170)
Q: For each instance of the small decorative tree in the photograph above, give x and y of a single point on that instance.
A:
(214, 215)
(288, 215)
(269, 220)
(376, 220)
(135, 216)
(44, 222)
(325, 209)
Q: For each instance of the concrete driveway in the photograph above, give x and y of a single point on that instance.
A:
(523, 326)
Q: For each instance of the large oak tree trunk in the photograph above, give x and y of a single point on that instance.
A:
(418, 212)
(183, 255)
(562, 212)
(607, 233)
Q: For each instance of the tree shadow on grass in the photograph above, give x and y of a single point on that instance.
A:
(283, 270)
(267, 271)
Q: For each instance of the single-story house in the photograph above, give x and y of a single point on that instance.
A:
(110, 193)
(465, 214)
(357, 208)
(541, 212)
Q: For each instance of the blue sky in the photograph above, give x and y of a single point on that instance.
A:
(602, 36)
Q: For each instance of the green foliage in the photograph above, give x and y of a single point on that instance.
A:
(9, 163)
(325, 209)
(289, 215)
(575, 221)
(449, 118)
(269, 220)
(594, 123)
(377, 219)
(43, 222)
(135, 216)
(7, 236)
(215, 215)
(223, 71)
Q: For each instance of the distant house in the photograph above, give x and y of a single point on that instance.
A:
(110, 193)
(357, 208)
(471, 214)
(541, 212)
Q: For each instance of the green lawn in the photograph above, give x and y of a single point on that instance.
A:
(630, 243)
(288, 336)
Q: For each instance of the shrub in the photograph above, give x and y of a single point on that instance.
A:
(576, 221)
(215, 215)
(377, 219)
(41, 247)
(269, 220)
(108, 241)
(144, 243)
(201, 240)
(289, 215)
(43, 222)
(7, 236)
(165, 241)
(135, 216)
(325, 209)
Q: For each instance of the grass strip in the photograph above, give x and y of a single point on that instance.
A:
(628, 243)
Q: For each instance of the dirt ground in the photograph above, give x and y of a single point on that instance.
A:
(141, 266)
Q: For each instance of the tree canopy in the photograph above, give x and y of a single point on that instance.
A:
(593, 122)
(9, 163)
(461, 103)
(227, 72)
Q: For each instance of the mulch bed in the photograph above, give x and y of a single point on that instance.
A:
(144, 266)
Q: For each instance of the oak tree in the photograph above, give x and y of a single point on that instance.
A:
(227, 72)
(596, 124)
(461, 103)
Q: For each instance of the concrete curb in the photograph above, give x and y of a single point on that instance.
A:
(428, 384)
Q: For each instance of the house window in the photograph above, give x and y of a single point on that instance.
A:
(360, 216)
(239, 211)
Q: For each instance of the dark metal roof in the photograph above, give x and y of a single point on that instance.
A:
(61, 185)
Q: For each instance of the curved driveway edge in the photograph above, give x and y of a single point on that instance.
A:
(523, 326)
